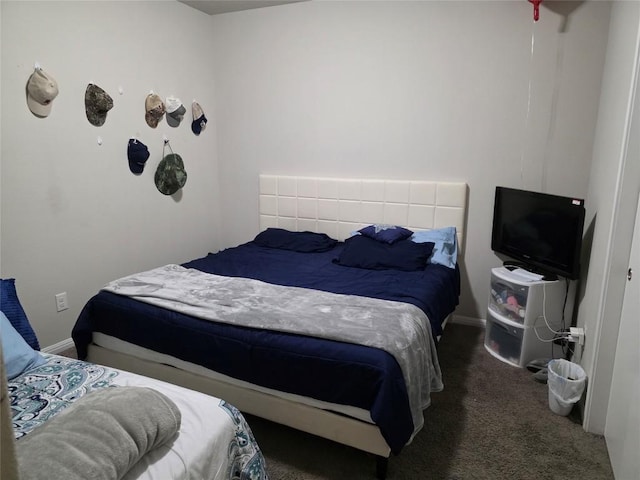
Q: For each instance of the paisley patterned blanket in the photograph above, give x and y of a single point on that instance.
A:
(215, 440)
(43, 392)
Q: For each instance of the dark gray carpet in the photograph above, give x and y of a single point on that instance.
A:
(492, 421)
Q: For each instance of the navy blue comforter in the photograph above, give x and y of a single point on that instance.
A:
(328, 370)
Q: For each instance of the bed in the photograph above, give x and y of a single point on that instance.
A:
(306, 359)
(76, 420)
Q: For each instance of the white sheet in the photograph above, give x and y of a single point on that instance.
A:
(201, 450)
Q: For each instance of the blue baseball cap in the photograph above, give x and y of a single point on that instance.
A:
(138, 154)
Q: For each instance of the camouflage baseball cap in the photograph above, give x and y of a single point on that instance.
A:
(170, 175)
(97, 103)
(154, 108)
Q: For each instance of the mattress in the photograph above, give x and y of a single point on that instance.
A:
(115, 344)
(369, 379)
(214, 441)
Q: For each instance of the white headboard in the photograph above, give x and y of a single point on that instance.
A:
(338, 206)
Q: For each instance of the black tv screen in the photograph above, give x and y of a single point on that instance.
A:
(542, 231)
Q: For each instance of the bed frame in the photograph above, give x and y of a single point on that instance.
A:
(337, 207)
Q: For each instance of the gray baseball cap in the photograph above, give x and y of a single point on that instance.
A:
(175, 111)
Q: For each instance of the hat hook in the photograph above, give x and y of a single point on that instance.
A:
(166, 144)
(37, 66)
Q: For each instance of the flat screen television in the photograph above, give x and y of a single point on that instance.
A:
(539, 230)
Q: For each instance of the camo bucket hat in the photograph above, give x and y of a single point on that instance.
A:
(170, 175)
(97, 103)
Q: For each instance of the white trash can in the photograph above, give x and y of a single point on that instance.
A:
(566, 381)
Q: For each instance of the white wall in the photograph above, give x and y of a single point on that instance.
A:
(611, 204)
(368, 89)
(73, 215)
(365, 89)
(409, 90)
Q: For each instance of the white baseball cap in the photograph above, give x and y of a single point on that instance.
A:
(41, 91)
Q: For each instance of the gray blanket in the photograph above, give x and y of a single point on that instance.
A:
(400, 329)
(101, 436)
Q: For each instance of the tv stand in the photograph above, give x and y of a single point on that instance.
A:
(516, 330)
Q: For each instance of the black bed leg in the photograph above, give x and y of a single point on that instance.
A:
(381, 467)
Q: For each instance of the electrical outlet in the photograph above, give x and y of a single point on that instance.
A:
(61, 301)
(577, 335)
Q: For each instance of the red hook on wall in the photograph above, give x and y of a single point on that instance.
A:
(536, 9)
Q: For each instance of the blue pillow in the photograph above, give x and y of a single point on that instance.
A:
(445, 251)
(385, 233)
(364, 252)
(18, 355)
(11, 307)
(306, 242)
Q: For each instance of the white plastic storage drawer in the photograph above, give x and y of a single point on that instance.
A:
(524, 302)
(508, 299)
(504, 340)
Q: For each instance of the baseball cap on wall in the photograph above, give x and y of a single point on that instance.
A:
(97, 103)
(137, 153)
(199, 120)
(175, 111)
(42, 89)
(154, 109)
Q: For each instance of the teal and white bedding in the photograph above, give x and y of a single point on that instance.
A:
(41, 393)
(213, 442)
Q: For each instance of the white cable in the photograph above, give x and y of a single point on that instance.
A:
(544, 312)
(526, 123)
(564, 337)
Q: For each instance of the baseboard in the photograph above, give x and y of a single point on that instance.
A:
(59, 347)
(471, 321)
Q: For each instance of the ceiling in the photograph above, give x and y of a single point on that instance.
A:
(215, 7)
